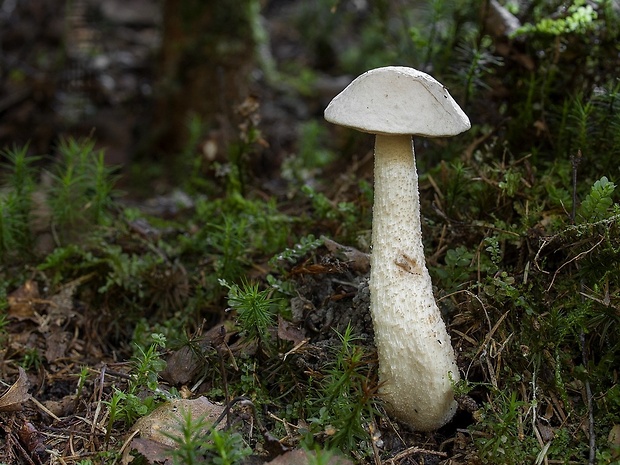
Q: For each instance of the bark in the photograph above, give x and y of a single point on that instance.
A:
(206, 58)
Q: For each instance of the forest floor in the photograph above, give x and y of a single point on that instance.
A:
(134, 331)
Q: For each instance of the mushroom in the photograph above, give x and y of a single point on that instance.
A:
(417, 364)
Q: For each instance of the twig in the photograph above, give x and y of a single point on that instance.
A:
(485, 344)
(220, 359)
(375, 436)
(95, 423)
(411, 451)
(576, 257)
(126, 444)
(44, 408)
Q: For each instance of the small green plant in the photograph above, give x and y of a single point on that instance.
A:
(195, 446)
(190, 440)
(476, 63)
(83, 377)
(457, 271)
(305, 245)
(458, 185)
(77, 196)
(31, 359)
(227, 448)
(505, 419)
(580, 18)
(125, 271)
(21, 176)
(511, 182)
(16, 203)
(344, 213)
(256, 310)
(115, 408)
(13, 229)
(461, 388)
(228, 240)
(61, 260)
(146, 364)
(608, 457)
(598, 202)
(142, 392)
(128, 407)
(232, 228)
(428, 40)
(344, 402)
(81, 188)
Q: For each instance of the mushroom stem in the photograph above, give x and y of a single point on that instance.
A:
(415, 353)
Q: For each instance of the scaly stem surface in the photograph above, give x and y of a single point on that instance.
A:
(415, 353)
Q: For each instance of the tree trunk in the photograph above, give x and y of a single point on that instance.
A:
(206, 57)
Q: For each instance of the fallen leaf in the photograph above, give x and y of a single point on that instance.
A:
(272, 445)
(184, 365)
(62, 305)
(289, 332)
(33, 441)
(154, 452)
(16, 395)
(23, 300)
(547, 433)
(63, 407)
(166, 420)
(56, 342)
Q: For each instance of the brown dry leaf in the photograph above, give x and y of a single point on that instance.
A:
(289, 332)
(56, 342)
(154, 452)
(166, 420)
(23, 300)
(183, 365)
(301, 457)
(32, 440)
(273, 446)
(62, 308)
(547, 433)
(355, 259)
(13, 399)
(63, 407)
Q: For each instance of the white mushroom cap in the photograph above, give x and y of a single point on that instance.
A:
(398, 100)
